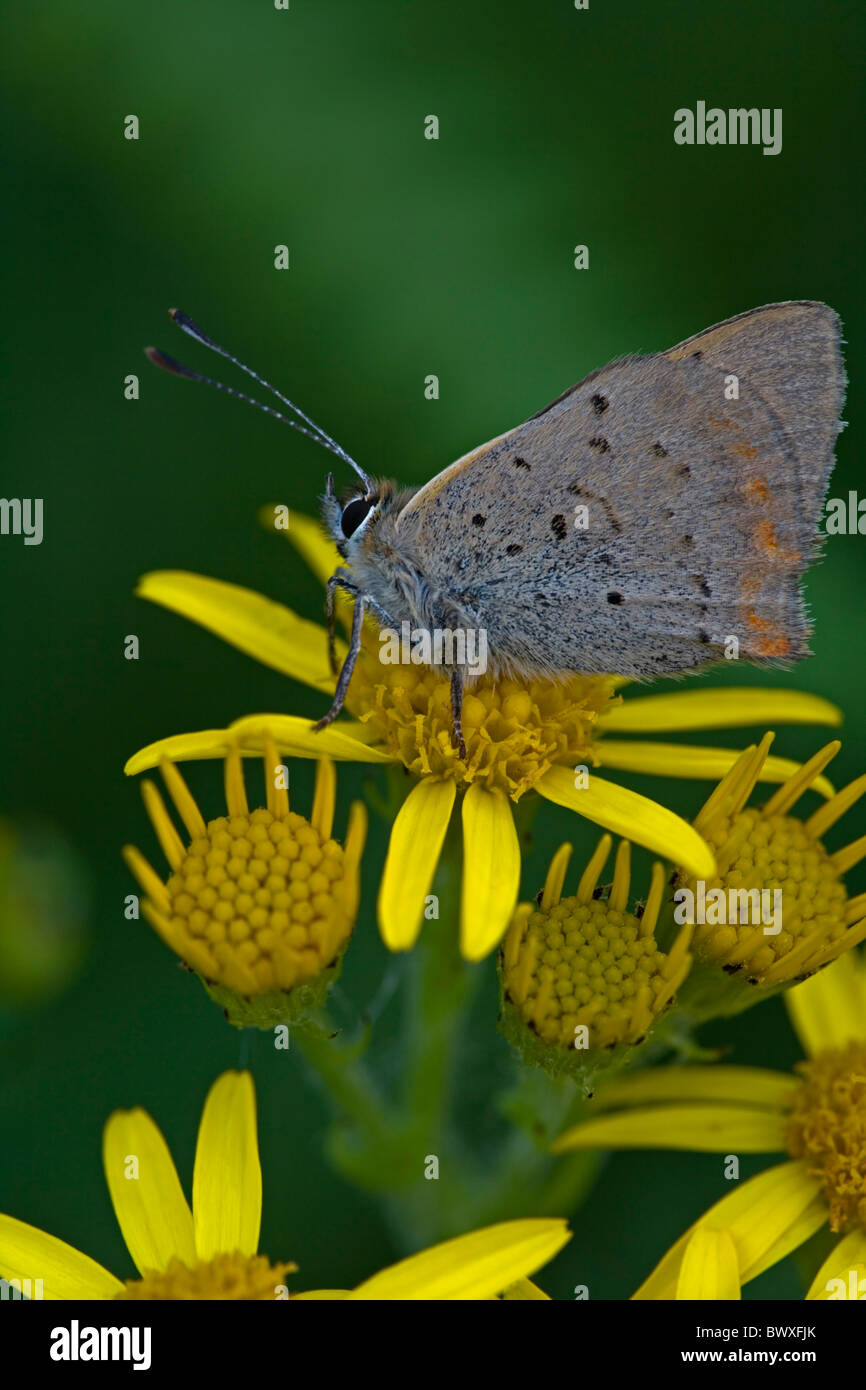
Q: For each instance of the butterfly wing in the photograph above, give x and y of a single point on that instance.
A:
(790, 356)
(655, 511)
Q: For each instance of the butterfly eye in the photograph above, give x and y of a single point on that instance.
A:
(354, 513)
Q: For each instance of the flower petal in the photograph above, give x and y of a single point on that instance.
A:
(830, 1009)
(148, 1200)
(320, 1294)
(746, 1085)
(28, 1253)
(709, 1269)
(227, 1181)
(633, 816)
(847, 1255)
(265, 630)
(413, 854)
(491, 870)
(767, 1217)
(475, 1266)
(686, 760)
(524, 1291)
(294, 737)
(702, 1128)
(725, 707)
(346, 741)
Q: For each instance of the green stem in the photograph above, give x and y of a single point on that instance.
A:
(347, 1081)
(441, 988)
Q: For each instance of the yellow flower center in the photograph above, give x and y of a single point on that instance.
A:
(513, 730)
(827, 1128)
(247, 1278)
(775, 853)
(586, 963)
(266, 893)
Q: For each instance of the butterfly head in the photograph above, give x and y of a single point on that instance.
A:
(349, 516)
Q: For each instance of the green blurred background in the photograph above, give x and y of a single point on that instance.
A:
(408, 257)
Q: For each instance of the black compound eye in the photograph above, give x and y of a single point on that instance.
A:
(354, 513)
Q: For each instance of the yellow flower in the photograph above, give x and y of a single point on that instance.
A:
(209, 1252)
(519, 737)
(767, 849)
(260, 904)
(709, 1271)
(583, 979)
(818, 1116)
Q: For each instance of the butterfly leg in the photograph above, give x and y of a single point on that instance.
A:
(348, 664)
(338, 580)
(457, 710)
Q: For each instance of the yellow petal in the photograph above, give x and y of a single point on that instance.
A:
(312, 543)
(266, 631)
(319, 1294)
(709, 1270)
(184, 801)
(744, 1085)
(524, 1291)
(633, 816)
(147, 877)
(685, 760)
(346, 741)
(227, 1181)
(148, 1200)
(555, 880)
(726, 707)
(703, 1128)
(829, 1009)
(324, 798)
(413, 854)
(847, 1256)
(475, 1266)
(295, 737)
(28, 1253)
(767, 1217)
(491, 870)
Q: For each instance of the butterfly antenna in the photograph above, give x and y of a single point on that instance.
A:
(308, 428)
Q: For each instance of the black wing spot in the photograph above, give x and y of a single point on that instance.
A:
(513, 549)
(697, 356)
(614, 596)
(559, 526)
(599, 443)
(703, 636)
(683, 470)
(603, 559)
(704, 586)
(660, 451)
(478, 519)
(521, 463)
(577, 489)
(600, 403)
(688, 540)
